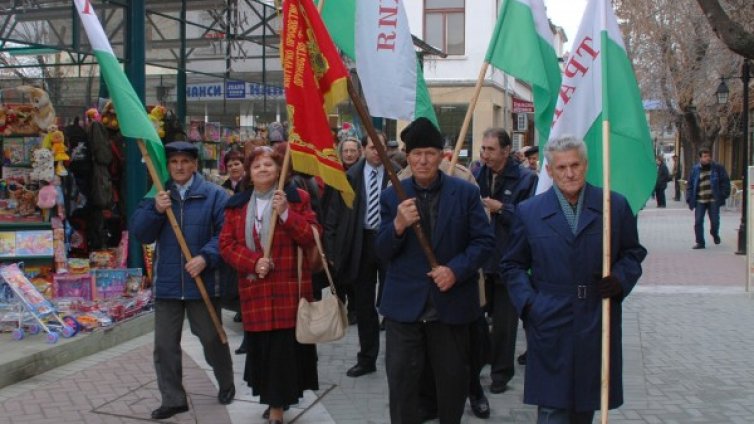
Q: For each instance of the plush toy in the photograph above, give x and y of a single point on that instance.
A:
(43, 165)
(44, 113)
(59, 152)
(93, 115)
(5, 128)
(109, 118)
(157, 116)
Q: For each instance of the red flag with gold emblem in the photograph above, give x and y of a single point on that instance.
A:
(315, 82)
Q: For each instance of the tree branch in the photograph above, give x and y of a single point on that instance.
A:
(730, 32)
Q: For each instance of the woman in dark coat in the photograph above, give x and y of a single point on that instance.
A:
(233, 162)
(278, 368)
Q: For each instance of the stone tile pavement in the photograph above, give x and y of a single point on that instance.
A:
(687, 344)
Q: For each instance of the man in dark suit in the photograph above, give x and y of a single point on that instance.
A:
(503, 184)
(349, 239)
(428, 311)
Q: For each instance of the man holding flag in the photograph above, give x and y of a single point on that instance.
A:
(553, 271)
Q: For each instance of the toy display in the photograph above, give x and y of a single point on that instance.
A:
(31, 301)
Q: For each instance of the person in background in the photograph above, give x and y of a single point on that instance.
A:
(706, 191)
(349, 151)
(199, 206)
(234, 165)
(503, 184)
(349, 239)
(553, 269)
(532, 158)
(677, 174)
(428, 311)
(278, 368)
(663, 176)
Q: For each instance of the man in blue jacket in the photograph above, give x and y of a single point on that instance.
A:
(199, 208)
(707, 190)
(428, 311)
(553, 268)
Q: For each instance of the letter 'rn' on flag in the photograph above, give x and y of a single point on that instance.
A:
(599, 78)
(522, 46)
(132, 116)
(375, 34)
(315, 81)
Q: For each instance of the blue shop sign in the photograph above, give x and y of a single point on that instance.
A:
(235, 90)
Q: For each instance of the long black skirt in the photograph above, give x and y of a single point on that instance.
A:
(278, 368)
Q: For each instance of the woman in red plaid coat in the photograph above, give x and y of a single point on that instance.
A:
(278, 368)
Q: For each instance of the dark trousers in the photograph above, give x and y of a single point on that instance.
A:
(410, 347)
(713, 210)
(660, 196)
(479, 351)
(563, 416)
(504, 330)
(364, 290)
(677, 192)
(168, 326)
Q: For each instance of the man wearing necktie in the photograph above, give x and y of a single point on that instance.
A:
(349, 239)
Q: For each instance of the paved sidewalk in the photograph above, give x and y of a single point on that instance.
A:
(687, 356)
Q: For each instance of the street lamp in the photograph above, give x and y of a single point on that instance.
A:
(722, 98)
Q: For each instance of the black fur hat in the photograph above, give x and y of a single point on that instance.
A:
(422, 133)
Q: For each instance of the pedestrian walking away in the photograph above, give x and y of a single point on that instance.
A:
(553, 269)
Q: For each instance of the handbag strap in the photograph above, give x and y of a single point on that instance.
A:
(300, 263)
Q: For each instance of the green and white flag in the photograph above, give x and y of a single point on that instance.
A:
(132, 116)
(376, 36)
(599, 85)
(522, 46)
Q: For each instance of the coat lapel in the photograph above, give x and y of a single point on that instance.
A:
(591, 210)
(445, 210)
(553, 216)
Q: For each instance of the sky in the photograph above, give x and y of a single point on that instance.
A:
(566, 14)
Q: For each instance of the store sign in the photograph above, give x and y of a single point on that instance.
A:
(235, 90)
(231, 90)
(522, 106)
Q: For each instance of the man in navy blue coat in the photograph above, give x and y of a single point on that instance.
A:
(428, 311)
(553, 268)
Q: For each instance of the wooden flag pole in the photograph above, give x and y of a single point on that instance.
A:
(469, 114)
(366, 120)
(606, 241)
(281, 186)
(182, 243)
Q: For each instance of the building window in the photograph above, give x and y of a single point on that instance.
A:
(444, 26)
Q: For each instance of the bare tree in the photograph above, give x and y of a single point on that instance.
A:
(731, 32)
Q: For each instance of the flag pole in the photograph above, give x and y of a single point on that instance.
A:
(467, 118)
(182, 243)
(606, 241)
(281, 186)
(382, 152)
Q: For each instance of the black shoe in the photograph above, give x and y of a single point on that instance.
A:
(480, 406)
(717, 239)
(358, 370)
(237, 317)
(351, 318)
(168, 411)
(425, 415)
(266, 413)
(382, 324)
(498, 387)
(698, 246)
(241, 350)
(522, 359)
(226, 396)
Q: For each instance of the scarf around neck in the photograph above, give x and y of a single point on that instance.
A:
(252, 218)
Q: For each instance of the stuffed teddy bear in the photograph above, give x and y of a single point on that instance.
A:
(157, 116)
(44, 113)
(109, 118)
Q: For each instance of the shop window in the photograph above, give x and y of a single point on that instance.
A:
(444, 25)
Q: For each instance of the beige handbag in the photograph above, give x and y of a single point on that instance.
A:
(324, 320)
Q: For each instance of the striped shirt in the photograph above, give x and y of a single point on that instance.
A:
(704, 194)
(571, 212)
